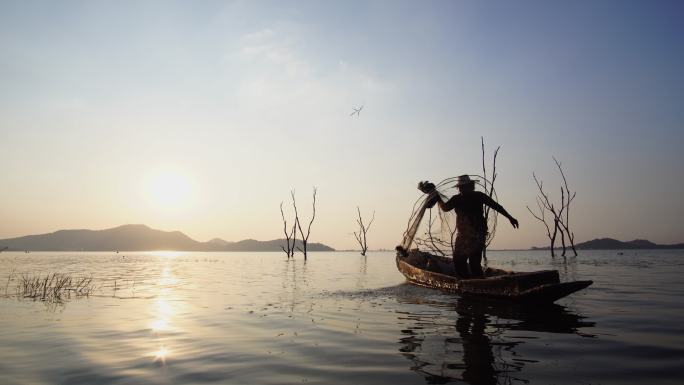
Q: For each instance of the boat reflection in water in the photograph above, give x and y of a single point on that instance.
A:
(468, 341)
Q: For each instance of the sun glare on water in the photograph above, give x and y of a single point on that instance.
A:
(160, 355)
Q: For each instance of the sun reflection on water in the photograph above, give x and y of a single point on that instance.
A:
(159, 325)
(160, 355)
(163, 306)
(162, 310)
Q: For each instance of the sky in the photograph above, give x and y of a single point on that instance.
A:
(203, 116)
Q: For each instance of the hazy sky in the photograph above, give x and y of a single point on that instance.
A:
(105, 106)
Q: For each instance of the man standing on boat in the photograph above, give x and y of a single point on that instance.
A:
(471, 225)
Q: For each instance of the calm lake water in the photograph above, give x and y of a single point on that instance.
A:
(340, 318)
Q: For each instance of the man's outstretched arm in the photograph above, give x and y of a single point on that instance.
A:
(435, 197)
(493, 204)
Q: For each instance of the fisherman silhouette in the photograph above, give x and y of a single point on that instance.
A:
(471, 225)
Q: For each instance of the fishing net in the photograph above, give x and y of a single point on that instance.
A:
(433, 230)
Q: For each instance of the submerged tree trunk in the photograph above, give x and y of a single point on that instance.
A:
(562, 234)
(544, 205)
(553, 240)
(361, 237)
(565, 221)
(290, 237)
(489, 190)
(305, 237)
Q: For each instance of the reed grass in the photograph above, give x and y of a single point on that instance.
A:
(54, 287)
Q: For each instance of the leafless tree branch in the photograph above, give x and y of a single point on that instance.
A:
(544, 204)
(361, 237)
(290, 237)
(305, 238)
(564, 222)
(561, 214)
(489, 190)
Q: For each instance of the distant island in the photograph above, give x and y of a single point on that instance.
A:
(137, 238)
(614, 244)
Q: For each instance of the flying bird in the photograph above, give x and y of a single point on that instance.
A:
(357, 111)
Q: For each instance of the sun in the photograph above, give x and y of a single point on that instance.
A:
(169, 190)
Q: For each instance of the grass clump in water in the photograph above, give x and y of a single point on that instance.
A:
(54, 287)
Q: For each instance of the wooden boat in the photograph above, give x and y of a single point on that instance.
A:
(437, 272)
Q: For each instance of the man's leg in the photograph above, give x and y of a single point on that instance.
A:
(474, 260)
(461, 266)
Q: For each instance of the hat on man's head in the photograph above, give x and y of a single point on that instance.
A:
(464, 180)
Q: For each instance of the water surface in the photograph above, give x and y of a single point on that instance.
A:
(339, 318)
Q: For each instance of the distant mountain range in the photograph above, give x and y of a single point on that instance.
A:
(137, 238)
(614, 244)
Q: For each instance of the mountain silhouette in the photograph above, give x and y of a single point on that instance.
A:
(614, 244)
(137, 238)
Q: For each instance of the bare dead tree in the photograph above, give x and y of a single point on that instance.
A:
(561, 213)
(545, 205)
(290, 237)
(564, 221)
(489, 190)
(558, 221)
(305, 238)
(363, 230)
